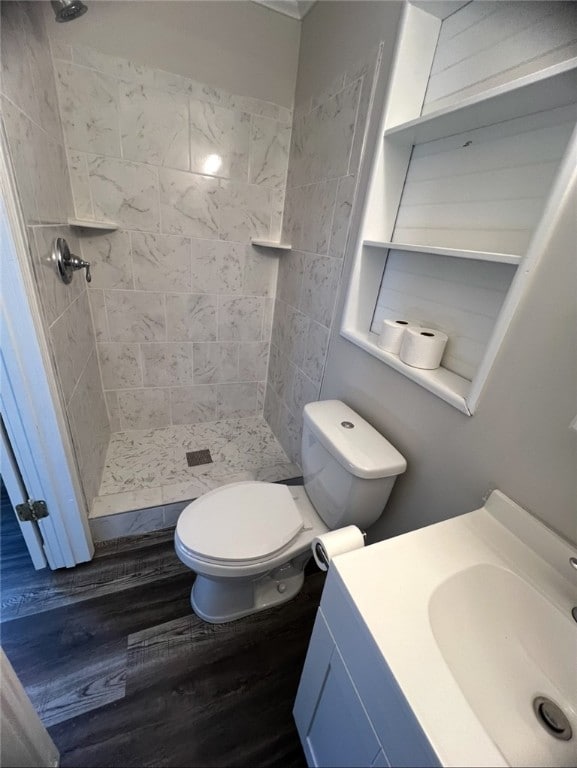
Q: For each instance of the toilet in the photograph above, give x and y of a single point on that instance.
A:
(249, 542)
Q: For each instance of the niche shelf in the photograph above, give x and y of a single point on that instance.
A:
(109, 226)
(547, 89)
(501, 258)
(449, 386)
(274, 244)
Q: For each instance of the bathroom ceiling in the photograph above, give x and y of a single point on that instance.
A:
(296, 9)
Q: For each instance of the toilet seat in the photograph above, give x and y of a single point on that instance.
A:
(240, 523)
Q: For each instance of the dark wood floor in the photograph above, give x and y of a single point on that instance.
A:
(124, 674)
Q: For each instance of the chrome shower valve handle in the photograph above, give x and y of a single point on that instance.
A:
(67, 263)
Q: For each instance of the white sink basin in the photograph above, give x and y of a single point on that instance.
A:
(505, 645)
(473, 618)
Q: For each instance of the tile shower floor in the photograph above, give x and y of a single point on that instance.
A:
(149, 468)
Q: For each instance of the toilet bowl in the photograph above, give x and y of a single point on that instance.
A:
(249, 542)
(243, 566)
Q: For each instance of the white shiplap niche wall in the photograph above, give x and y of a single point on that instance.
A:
(486, 44)
(463, 297)
(464, 188)
(484, 189)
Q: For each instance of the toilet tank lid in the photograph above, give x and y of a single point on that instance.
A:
(360, 449)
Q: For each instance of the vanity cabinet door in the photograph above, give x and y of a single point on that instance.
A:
(333, 725)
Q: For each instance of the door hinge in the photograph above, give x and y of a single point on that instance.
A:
(31, 511)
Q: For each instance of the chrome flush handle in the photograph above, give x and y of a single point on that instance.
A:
(67, 263)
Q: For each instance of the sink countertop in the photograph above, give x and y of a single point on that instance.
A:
(391, 584)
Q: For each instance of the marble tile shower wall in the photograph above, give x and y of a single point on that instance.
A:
(36, 147)
(327, 141)
(182, 303)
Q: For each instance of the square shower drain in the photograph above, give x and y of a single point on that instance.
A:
(194, 458)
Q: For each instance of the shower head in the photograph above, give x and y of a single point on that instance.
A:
(67, 10)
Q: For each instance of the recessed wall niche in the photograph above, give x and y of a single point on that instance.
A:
(464, 189)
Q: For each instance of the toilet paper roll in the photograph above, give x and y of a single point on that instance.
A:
(391, 335)
(423, 347)
(335, 543)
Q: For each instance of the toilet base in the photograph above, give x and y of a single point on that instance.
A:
(218, 601)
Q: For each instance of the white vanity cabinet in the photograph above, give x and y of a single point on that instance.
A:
(349, 710)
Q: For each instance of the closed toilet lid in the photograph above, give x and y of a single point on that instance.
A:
(240, 522)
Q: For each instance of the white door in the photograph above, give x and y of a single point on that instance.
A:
(25, 741)
(18, 495)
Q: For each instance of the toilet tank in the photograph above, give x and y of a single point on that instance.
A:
(349, 468)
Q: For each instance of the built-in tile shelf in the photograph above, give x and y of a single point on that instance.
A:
(553, 87)
(447, 385)
(93, 224)
(502, 258)
(275, 244)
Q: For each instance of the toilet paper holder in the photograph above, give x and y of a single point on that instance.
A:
(322, 555)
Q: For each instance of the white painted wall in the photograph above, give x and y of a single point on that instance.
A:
(239, 46)
(337, 34)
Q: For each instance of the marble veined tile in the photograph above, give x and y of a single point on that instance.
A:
(122, 69)
(109, 257)
(120, 365)
(215, 362)
(166, 364)
(343, 208)
(154, 126)
(143, 408)
(322, 139)
(320, 285)
(78, 170)
(72, 343)
(244, 211)
(193, 404)
(318, 207)
(219, 141)
(189, 204)
(316, 351)
(236, 400)
(253, 361)
(119, 502)
(260, 272)
(89, 108)
(17, 81)
(269, 151)
(130, 522)
(191, 317)
(135, 316)
(98, 311)
(240, 318)
(160, 262)
(217, 266)
(124, 192)
(303, 391)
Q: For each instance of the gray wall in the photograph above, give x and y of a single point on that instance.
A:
(239, 46)
(519, 440)
(335, 36)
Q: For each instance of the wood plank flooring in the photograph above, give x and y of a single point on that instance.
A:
(124, 674)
